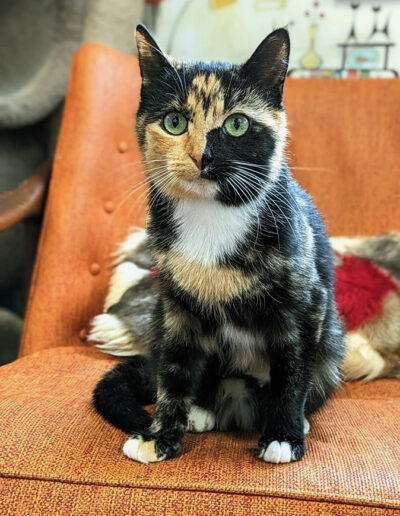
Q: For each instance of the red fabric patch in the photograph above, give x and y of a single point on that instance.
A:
(360, 289)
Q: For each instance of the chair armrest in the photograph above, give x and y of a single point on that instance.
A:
(25, 200)
(96, 161)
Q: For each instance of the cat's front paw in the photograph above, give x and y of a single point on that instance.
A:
(145, 450)
(280, 452)
(136, 448)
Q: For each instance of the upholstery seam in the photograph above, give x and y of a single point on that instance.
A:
(188, 490)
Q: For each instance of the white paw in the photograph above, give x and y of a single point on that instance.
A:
(277, 452)
(200, 420)
(136, 448)
(306, 426)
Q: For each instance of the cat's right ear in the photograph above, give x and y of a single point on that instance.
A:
(152, 60)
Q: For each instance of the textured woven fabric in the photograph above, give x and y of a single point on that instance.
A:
(343, 149)
(51, 433)
(38, 498)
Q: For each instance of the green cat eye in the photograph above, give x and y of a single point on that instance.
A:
(175, 123)
(236, 125)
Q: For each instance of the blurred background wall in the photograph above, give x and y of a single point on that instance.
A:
(330, 38)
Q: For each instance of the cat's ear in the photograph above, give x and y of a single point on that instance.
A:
(152, 60)
(269, 63)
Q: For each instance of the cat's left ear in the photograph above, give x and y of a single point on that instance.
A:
(152, 60)
(269, 63)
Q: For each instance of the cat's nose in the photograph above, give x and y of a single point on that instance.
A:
(207, 158)
(197, 160)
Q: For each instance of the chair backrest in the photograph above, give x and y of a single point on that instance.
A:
(345, 133)
(345, 138)
(88, 210)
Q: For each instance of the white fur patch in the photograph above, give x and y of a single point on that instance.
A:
(275, 162)
(136, 237)
(200, 419)
(202, 188)
(277, 452)
(208, 230)
(114, 334)
(306, 426)
(137, 449)
(125, 276)
(346, 245)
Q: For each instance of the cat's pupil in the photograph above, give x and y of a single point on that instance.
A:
(236, 123)
(175, 121)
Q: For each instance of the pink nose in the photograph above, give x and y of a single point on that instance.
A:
(197, 160)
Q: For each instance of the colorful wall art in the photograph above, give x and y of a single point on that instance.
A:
(330, 38)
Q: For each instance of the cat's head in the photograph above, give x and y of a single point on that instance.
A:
(212, 130)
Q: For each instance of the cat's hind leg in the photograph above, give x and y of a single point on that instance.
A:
(237, 405)
(200, 419)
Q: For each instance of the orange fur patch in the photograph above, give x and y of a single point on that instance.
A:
(211, 284)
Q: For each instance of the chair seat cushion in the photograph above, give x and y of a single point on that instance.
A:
(59, 457)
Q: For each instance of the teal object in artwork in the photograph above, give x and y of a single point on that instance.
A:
(363, 58)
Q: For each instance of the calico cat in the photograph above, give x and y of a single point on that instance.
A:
(246, 333)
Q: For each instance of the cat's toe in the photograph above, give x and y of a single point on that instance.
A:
(136, 448)
(276, 452)
(280, 452)
(200, 419)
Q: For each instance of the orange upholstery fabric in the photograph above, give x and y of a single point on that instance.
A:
(57, 456)
(65, 456)
(38, 498)
(345, 135)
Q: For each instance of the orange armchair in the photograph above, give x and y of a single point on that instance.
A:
(57, 455)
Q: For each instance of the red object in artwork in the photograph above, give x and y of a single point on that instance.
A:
(153, 2)
(360, 289)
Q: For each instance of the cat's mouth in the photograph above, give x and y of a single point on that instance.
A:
(200, 187)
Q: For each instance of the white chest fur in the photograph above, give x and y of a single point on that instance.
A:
(208, 230)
